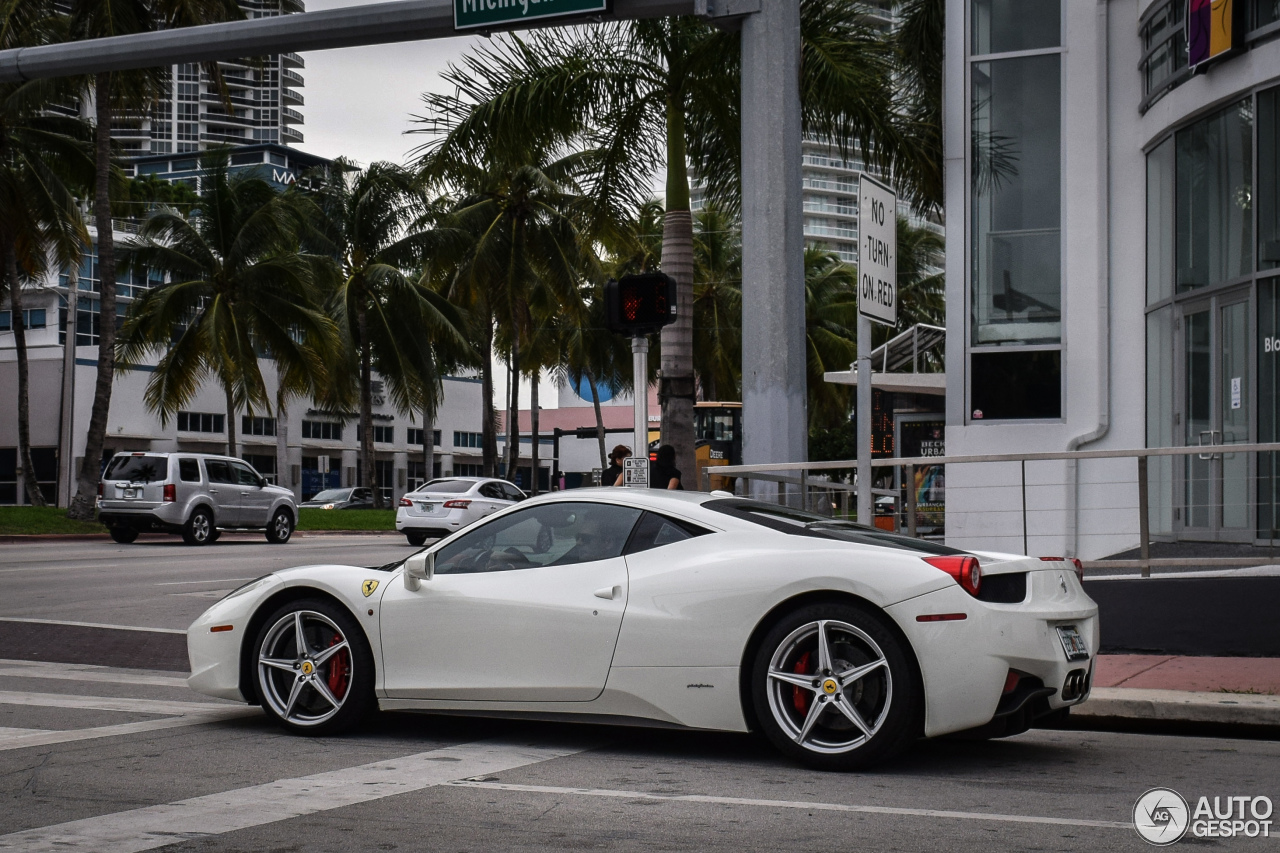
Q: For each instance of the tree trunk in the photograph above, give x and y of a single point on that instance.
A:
(595, 401)
(34, 495)
(488, 425)
(282, 445)
(369, 474)
(231, 420)
(533, 428)
(513, 414)
(676, 386)
(428, 446)
(83, 505)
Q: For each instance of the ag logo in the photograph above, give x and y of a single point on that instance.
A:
(368, 588)
(1161, 816)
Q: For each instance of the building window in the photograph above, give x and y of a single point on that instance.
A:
(1164, 50)
(264, 464)
(416, 480)
(1160, 195)
(415, 438)
(32, 318)
(468, 439)
(201, 422)
(1214, 161)
(1268, 195)
(323, 430)
(466, 469)
(257, 426)
(381, 434)
(1016, 385)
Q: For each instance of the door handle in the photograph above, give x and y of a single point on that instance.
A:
(244, 494)
(609, 593)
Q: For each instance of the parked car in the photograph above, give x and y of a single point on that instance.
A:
(444, 506)
(194, 494)
(341, 499)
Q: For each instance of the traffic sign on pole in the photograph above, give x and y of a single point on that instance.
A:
(468, 14)
(877, 251)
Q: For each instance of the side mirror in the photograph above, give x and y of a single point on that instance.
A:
(418, 568)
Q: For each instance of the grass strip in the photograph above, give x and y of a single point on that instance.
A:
(310, 518)
(31, 520)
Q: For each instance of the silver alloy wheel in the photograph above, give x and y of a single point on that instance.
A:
(201, 526)
(282, 526)
(843, 701)
(296, 668)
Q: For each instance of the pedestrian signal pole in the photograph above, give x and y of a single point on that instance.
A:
(638, 306)
(878, 302)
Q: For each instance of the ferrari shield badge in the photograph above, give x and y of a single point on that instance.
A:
(368, 588)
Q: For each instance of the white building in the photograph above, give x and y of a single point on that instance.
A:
(1112, 269)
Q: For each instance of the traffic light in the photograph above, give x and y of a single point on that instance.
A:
(640, 304)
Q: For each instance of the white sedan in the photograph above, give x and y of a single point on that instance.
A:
(843, 644)
(445, 506)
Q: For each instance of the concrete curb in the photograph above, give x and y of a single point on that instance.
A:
(1180, 706)
(18, 539)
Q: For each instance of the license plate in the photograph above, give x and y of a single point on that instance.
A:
(130, 493)
(427, 507)
(1072, 643)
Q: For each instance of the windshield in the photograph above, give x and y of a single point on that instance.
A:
(138, 469)
(801, 523)
(331, 495)
(448, 487)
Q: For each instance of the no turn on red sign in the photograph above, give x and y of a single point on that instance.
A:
(877, 251)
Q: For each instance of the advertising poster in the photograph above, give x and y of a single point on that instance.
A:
(924, 436)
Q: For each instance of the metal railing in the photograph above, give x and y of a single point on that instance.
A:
(1220, 483)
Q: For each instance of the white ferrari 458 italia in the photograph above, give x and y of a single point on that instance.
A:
(841, 643)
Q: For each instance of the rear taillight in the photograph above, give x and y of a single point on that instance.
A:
(99, 489)
(1079, 566)
(170, 493)
(457, 504)
(964, 569)
(406, 502)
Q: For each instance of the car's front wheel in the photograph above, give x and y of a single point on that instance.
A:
(124, 535)
(199, 527)
(417, 540)
(280, 528)
(834, 687)
(314, 668)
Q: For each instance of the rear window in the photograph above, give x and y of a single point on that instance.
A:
(332, 495)
(448, 487)
(138, 469)
(798, 522)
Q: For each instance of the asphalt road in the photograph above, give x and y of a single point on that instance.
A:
(96, 758)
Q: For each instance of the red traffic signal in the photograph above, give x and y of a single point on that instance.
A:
(640, 304)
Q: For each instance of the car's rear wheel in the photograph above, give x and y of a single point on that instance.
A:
(124, 535)
(314, 668)
(417, 540)
(280, 528)
(199, 527)
(834, 687)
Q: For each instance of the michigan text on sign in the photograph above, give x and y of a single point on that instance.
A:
(487, 13)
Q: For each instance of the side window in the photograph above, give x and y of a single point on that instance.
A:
(189, 470)
(219, 471)
(512, 493)
(491, 490)
(558, 534)
(655, 530)
(362, 495)
(244, 474)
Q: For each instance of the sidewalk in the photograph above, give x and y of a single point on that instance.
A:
(1173, 689)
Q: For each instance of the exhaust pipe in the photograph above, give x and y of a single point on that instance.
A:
(1075, 686)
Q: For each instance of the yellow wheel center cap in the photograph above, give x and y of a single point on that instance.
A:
(829, 687)
(308, 667)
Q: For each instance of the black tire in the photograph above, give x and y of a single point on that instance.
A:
(417, 540)
(348, 680)
(124, 535)
(214, 535)
(804, 709)
(280, 528)
(199, 528)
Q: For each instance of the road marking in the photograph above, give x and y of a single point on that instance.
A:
(52, 738)
(84, 672)
(107, 703)
(791, 804)
(200, 817)
(92, 625)
(191, 583)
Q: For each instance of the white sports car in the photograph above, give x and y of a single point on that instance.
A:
(843, 644)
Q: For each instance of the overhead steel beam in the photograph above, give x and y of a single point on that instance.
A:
(354, 26)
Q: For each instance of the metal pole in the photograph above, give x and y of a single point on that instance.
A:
(640, 368)
(911, 500)
(865, 498)
(774, 420)
(1025, 549)
(1144, 520)
(66, 426)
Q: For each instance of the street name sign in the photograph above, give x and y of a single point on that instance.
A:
(470, 14)
(635, 472)
(877, 251)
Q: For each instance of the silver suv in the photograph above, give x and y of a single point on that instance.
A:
(194, 494)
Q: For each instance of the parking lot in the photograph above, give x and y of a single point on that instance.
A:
(124, 757)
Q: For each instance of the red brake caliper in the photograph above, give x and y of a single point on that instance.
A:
(800, 696)
(339, 670)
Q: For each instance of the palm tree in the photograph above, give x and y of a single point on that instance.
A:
(376, 223)
(717, 304)
(237, 288)
(591, 354)
(44, 159)
(664, 92)
(831, 323)
(114, 92)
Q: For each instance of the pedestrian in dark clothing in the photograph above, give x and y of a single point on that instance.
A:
(663, 473)
(612, 475)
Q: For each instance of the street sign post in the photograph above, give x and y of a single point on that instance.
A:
(470, 14)
(878, 302)
(635, 471)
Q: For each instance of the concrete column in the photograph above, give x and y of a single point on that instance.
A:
(774, 399)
